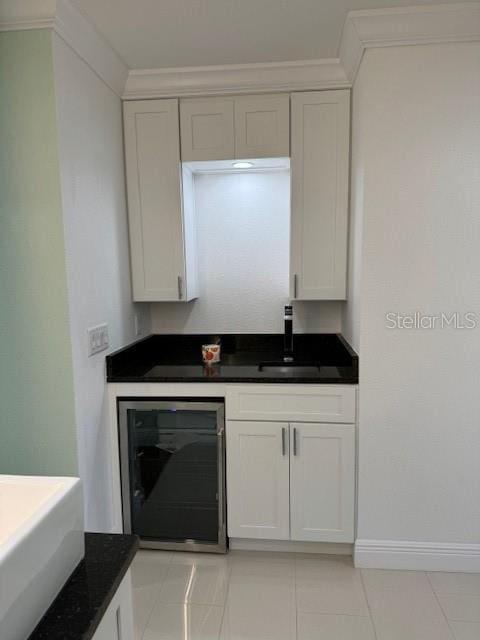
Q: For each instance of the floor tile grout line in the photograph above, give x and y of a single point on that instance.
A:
(295, 595)
(372, 620)
(297, 562)
(169, 564)
(329, 613)
(369, 616)
(452, 633)
(227, 591)
(187, 602)
(155, 600)
(448, 592)
(149, 615)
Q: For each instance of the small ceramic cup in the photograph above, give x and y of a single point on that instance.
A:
(210, 353)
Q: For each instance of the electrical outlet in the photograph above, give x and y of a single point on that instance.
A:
(97, 339)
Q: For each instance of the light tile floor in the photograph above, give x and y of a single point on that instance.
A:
(260, 596)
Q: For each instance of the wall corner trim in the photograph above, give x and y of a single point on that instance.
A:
(64, 18)
(298, 75)
(420, 556)
(427, 24)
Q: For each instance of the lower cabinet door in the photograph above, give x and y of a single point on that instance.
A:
(257, 480)
(322, 482)
(117, 621)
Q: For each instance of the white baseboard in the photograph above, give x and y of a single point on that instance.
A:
(420, 556)
(291, 546)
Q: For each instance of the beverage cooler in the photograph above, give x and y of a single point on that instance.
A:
(172, 459)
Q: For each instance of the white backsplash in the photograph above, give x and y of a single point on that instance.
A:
(243, 246)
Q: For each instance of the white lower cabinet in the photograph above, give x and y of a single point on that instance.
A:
(322, 482)
(258, 480)
(291, 481)
(117, 622)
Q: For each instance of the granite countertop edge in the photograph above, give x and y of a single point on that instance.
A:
(63, 620)
(242, 356)
(232, 380)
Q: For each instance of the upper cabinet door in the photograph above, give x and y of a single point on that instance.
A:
(262, 126)
(322, 482)
(257, 480)
(155, 209)
(320, 129)
(207, 129)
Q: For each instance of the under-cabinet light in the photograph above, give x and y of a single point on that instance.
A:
(242, 165)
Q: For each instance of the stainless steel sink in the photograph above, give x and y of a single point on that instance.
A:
(289, 368)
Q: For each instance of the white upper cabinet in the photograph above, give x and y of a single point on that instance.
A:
(162, 232)
(235, 127)
(258, 480)
(262, 126)
(161, 134)
(206, 126)
(320, 128)
(322, 482)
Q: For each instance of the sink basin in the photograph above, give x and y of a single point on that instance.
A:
(289, 368)
(41, 543)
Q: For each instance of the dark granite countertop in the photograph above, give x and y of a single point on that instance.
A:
(177, 358)
(79, 607)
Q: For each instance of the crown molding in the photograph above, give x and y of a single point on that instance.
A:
(80, 34)
(267, 77)
(427, 24)
(28, 14)
(64, 18)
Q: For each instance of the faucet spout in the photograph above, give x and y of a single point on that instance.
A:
(288, 335)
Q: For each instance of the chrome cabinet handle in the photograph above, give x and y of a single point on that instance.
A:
(284, 449)
(295, 285)
(294, 441)
(180, 287)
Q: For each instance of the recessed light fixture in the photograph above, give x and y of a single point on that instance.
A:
(242, 165)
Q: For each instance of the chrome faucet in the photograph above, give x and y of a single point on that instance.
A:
(288, 335)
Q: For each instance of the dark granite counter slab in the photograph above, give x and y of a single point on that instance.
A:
(79, 607)
(177, 358)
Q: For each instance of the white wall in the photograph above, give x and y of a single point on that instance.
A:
(95, 225)
(243, 244)
(38, 433)
(351, 308)
(415, 176)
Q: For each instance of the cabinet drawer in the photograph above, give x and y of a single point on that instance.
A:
(326, 403)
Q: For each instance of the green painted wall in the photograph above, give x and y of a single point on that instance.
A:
(37, 424)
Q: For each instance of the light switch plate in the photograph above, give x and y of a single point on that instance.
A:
(97, 339)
